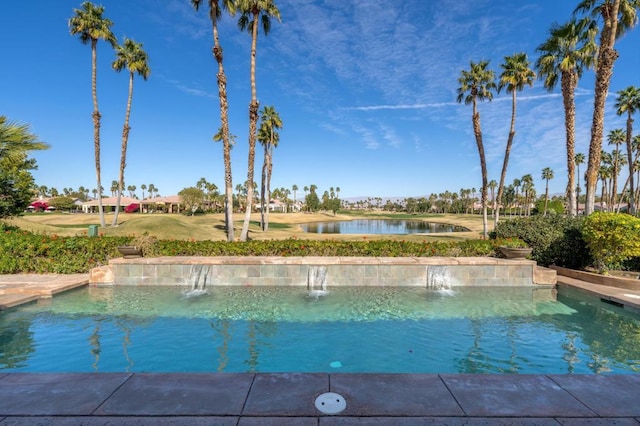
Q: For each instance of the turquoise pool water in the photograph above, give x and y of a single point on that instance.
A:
(355, 329)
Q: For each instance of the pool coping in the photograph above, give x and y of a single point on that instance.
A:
(287, 398)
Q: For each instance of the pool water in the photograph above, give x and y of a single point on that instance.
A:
(354, 329)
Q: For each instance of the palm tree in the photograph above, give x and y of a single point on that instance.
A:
(492, 187)
(617, 17)
(215, 13)
(578, 159)
(91, 26)
(629, 101)
(616, 137)
(253, 11)
(131, 56)
(476, 85)
(269, 137)
(569, 49)
(516, 187)
(294, 188)
(515, 75)
(528, 189)
(144, 188)
(547, 174)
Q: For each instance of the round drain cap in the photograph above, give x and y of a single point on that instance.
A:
(330, 403)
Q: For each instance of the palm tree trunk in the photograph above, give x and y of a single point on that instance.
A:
(507, 152)
(604, 70)
(632, 204)
(546, 198)
(569, 81)
(483, 165)
(263, 189)
(96, 127)
(253, 120)
(226, 145)
(123, 150)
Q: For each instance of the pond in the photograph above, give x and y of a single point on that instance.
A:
(380, 226)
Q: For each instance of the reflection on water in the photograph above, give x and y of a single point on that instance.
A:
(355, 329)
(380, 226)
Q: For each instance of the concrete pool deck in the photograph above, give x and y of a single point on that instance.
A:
(288, 398)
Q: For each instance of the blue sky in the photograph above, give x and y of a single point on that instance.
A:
(366, 91)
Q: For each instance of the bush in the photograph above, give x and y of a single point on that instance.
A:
(555, 240)
(22, 251)
(612, 238)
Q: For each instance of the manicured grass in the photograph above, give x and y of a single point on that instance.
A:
(211, 226)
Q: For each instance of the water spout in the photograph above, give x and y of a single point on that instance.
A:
(438, 278)
(317, 281)
(198, 280)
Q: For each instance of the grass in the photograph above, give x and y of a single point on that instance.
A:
(211, 226)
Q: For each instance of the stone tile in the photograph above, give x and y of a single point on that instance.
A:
(395, 395)
(56, 394)
(613, 395)
(440, 421)
(179, 394)
(600, 421)
(285, 394)
(120, 421)
(513, 395)
(278, 421)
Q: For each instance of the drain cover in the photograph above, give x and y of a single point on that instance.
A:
(330, 403)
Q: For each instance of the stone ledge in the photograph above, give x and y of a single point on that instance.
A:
(606, 280)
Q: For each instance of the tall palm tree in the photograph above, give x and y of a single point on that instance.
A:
(131, 56)
(515, 75)
(516, 187)
(294, 188)
(252, 12)
(615, 137)
(547, 174)
(269, 137)
(569, 49)
(494, 202)
(89, 24)
(629, 101)
(477, 84)
(578, 159)
(617, 17)
(215, 13)
(528, 189)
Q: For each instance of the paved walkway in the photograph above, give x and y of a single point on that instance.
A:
(289, 398)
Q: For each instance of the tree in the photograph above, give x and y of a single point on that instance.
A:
(144, 188)
(569, 49)
(131, 56)
(547, 174)
(515, 75)
(269, 137)
(617, 17)
(312, 201)
(91, 26)
(62, 203)
(616, 137)
(294, 188)
(578, 159)
(492, 187)
(215, 13)
(191, 198)
(16, 182)
(478, 84)
(628, 101)
(253, 11)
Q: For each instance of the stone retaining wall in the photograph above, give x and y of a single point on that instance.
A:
(340, 271)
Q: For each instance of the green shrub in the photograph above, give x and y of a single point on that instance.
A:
(555, 240)
(612, 238)
(22, 251)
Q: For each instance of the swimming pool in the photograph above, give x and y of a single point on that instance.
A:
(350, 329)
